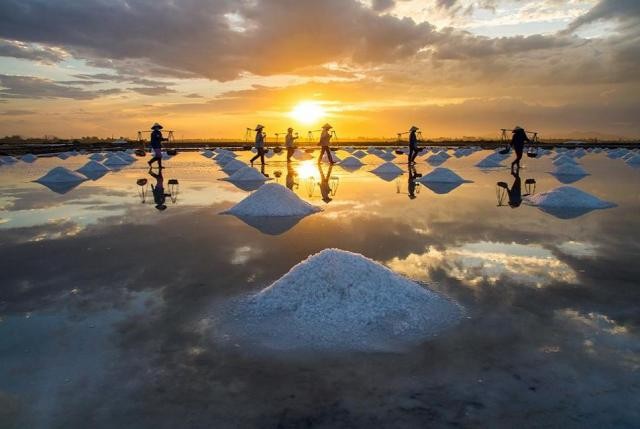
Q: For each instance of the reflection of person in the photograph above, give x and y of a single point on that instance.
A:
(517, 141)
(259, 144)
(156, 144)
(413, 175)
(159, 196)
(514, 193)
(413, 145)
(325, 188)
(288, 142)
(291, 177)
(325, 137)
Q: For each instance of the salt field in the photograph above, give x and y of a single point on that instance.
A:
(375, 294)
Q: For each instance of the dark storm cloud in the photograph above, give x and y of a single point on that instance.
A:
(34, 87)
(627, 12)
(28, 51)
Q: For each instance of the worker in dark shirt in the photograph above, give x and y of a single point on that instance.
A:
(517, 142)
(156, 144)
(413, 145)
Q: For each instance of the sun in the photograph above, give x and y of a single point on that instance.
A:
(307, 112)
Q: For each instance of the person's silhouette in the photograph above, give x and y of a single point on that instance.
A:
(517, 141)
(325, 188)
(291, 177)
(159, 196)
(411, 186)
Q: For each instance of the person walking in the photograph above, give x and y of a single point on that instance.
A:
(156, 144)
(517, 142)
(413, 145)
(259, 144)
(325, 137)
(289, 140)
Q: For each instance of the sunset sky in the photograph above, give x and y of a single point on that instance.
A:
(211, 68)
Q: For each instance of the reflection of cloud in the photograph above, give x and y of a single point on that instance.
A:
(474, 263)
(578, 249)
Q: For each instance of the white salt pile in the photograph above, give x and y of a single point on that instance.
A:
(442, 175)
(207, 153)
(386, 156)
(63, 155)
(61, 175)
(633, 160)
(96, 157)
(272, 199)
(564, 159)
(438, 158)
(301, 155)
(569, 170)
(28, 158)
(125, 156)
(8, 159)
(338, 301)
(93, 170)
(233, 166)
(246, 174)
(351, 162)
(495, 160)
(567, 202)
(359, 154)
(113, 160)
(387, 168)
(223, 159)
(335, 157)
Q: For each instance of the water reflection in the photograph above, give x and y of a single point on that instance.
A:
(158, 189)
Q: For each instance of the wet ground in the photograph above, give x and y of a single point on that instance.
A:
(106, 303)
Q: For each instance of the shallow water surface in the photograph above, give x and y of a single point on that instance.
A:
(107, 304)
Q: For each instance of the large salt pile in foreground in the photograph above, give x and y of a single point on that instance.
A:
(340, 301)
(273, 199)
(567, 202)
(61, 175)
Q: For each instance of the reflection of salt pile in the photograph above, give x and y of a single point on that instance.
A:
(359, 154)
(442, 180)
(63, 155)
(93, 170)
(338, 301)
(387, 168)
(96, 157)
(567, 202)
(273, 199)
(246, 174)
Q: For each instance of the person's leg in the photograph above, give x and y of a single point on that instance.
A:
(261, 151)
(329, 156)
(410, 155)
(322, 149)
(289, 154)
(255, 157)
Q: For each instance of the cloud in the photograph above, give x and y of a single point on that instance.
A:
(18, 112)
(30, 51)
(382, 5)
(626, 12)
(152, 90)
(35, 87)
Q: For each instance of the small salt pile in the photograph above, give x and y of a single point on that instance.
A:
(564, 159)
(567, 202)
(438, 159)
(93, 170)
(388, 168)
(114, 160)
(29, 158)
(633, 161)
(569, 170)
(359, 154)
(335, 157)
(272, 199)
(495, 160)
(338, 301)
(301, 155)
(207, 153)
(61, 175)
(351, 162)
(96, 157)
(246, 174)
(442, 175)
(8, 159)
(233, 166)
(386, 156)
(62, 155)
(223, 159)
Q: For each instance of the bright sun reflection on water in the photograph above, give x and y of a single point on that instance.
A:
(308, 169)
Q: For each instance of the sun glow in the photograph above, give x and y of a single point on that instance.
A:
(307, 112)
